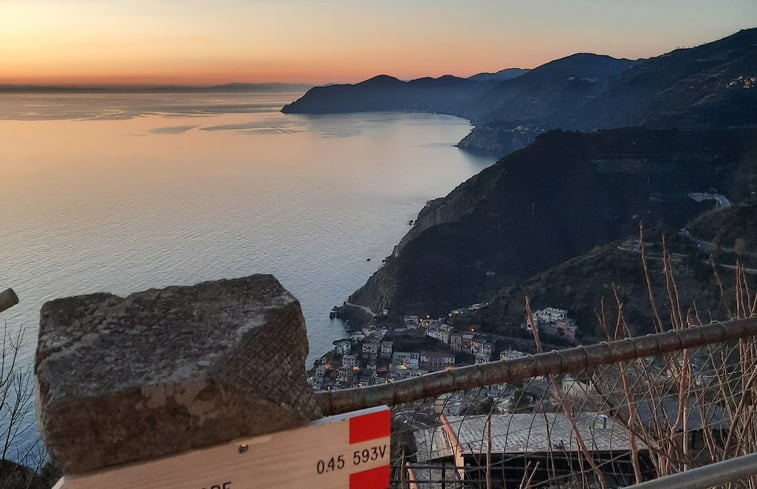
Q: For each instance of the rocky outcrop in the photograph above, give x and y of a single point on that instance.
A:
(166, 370)
(494, 140)
(354, 315)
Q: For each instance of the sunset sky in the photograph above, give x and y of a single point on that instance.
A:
(320, 41)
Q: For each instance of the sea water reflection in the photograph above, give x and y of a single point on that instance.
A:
(122, 192)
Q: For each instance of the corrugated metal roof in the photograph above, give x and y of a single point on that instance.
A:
(539, 432)
(432, 444)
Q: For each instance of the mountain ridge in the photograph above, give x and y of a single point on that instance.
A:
(687, 87)
(500, 75)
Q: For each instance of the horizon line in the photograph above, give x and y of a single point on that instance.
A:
(21, 86)
(149, 86)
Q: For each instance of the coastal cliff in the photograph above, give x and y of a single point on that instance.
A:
(498, 140)
(557, 199)
(655, 130)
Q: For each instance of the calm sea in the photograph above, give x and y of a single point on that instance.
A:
(123, 192)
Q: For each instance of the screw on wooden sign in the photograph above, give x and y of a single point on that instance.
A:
(348, 451)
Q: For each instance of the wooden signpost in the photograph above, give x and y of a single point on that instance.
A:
(349, 451)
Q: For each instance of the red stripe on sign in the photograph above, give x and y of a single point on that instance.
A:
(370, 426)
(377, 478)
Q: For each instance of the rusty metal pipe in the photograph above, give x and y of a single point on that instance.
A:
(554, 362)
(8, 298)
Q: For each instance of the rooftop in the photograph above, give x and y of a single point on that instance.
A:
(524, 433)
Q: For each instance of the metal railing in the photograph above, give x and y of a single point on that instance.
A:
(608, 415)
(554, 362)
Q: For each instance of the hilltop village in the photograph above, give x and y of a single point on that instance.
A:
(388, 349)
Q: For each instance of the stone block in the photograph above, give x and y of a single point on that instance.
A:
(168, 370)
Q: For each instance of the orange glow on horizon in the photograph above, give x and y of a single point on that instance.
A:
(331, 41)
(52, 68)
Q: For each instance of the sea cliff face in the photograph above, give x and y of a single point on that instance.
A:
(556, 199)
(453, 207)
(379, 294)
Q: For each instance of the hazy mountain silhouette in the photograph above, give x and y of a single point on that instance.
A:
(691, 88)
(446, 94)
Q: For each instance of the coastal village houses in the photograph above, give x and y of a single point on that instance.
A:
(411, 322)
(471, 343)
(386, 349)
(439, 331)
(371, 357)
(371, 347)
(436, 360)
(554, 322)
(349, 361)
(409, 359)
(343, 347)
(461, 341)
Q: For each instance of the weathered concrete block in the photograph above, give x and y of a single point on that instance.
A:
(162, 371)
